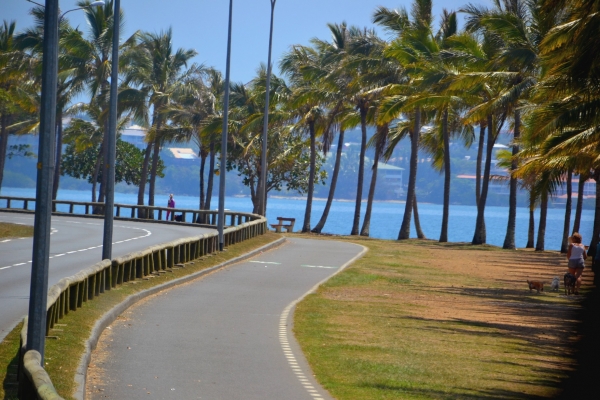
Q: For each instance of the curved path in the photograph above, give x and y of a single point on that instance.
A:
(225, 336)
(75, 244)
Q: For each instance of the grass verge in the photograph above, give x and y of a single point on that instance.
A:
(423, 320)
(8, 230)
(66, 343)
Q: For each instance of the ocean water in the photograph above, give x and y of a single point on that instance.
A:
(386, 217)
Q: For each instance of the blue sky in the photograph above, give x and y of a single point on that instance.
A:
(202, 24)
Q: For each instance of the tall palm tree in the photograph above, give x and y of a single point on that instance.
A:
(157, 71)
(410, 33)
(13, 76)
(306, 104)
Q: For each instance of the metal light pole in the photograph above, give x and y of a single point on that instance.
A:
(111, 141)
(263, 156)
(36, 325)
(38, 293)
(223, 170)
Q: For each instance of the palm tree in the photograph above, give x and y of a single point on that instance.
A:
(12, 70)
(305, 103)
(410, 34)
(331, 74)
(157, 72)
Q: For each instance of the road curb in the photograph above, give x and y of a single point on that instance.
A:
(110, 316)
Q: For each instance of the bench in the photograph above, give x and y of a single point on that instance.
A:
(289, 226)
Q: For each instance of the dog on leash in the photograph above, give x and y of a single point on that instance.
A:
(537, 285)
(555, 285)
(569, 281)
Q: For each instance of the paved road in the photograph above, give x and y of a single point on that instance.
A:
(226, 336)
(75, 244)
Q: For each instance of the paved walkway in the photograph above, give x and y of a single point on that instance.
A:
(226, 336)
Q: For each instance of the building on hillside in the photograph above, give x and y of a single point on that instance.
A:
(135, 135)
(391, 180)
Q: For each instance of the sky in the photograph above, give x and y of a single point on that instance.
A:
(202, 24)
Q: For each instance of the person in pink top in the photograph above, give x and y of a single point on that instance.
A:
(576, 255)
(170, 204)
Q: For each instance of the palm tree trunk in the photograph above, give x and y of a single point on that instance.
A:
(3, 145)
(479, 161)
(153, 171)
(104, 150)
(596, 234)
(311, 179)
(144, 175)
(211, 175)
(95, 177)
(578, 210)
(202, 199)
(479, 236)
(59, 137)
(531, 230)
(334, 176)
(447, 176)
(418, 229)
(412, 177)
(567, 224)
(361, 170)
(509, 239)
(539, 246)
(364, 231)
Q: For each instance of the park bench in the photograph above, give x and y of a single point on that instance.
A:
(289, 226)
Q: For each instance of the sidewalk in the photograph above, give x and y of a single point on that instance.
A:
(225, 336)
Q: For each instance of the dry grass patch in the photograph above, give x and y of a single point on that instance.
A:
(63, 353)
(419, 319)
(8, 230)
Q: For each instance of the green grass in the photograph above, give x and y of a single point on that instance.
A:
(62, 354)
(14, 230)
(366, 338)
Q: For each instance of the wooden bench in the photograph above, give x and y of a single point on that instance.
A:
(289, 226)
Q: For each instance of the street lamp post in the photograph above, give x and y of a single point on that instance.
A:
(111, 141)
(36, 325)
(223, 169)
(263, 157)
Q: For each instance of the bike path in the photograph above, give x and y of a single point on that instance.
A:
(225, 336)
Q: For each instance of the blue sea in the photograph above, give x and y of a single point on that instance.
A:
(386, 217)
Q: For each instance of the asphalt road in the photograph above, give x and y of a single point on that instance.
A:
(225, 336)
(75, 244)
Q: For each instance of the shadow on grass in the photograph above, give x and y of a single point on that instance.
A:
(491, 394)
(10, 383)
(582, 383)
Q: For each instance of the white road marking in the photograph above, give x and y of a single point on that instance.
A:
(53, 230)
(283, 330)
(265, 262)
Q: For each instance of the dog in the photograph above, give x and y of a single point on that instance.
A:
(569, 281)
(555, 284)
(537, 285)
(179, 218)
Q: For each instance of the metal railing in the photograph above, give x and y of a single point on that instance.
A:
(129, 211)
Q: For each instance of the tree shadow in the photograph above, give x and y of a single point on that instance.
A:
(11, 383)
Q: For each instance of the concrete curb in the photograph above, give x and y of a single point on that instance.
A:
(111, 316)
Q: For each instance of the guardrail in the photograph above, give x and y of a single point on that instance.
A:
(128, 211)
(70, 293)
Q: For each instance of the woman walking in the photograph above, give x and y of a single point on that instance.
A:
(576, 255)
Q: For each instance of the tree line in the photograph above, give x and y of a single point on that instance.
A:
(529, 66)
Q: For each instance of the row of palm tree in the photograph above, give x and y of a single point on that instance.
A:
(528, 65)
